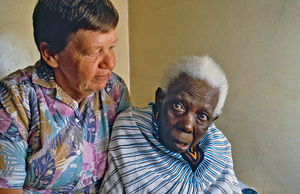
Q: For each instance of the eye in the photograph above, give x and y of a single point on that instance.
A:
(202, 117)
(112, 47)
(92, 53)
(177, 106)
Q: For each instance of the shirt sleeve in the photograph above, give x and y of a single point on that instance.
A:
(115, 97)
(13, 147)
(125, 102)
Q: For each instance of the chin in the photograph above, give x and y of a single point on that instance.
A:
(102, 85)
(98, 87)
(179, 151)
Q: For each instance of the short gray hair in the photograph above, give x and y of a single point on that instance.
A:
(202, 68)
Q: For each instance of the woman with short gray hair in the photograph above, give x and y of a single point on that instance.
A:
(173, 146)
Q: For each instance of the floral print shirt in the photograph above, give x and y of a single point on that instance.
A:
(48, 143)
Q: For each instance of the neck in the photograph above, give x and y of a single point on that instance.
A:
(75, 94)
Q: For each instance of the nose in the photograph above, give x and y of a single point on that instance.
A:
(187, 123)
(108, 61)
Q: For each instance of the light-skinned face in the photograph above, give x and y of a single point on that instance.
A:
(86, 62)
(185, 113)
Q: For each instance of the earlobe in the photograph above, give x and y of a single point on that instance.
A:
(48, 56)
(159, 97)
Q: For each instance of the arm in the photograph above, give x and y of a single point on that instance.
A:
(112, 181)
(13, 147)
(115, 97)
(121, 94)
(11, 191)
(124, 100)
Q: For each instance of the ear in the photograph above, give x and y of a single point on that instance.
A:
(48, 56)
(159, 97)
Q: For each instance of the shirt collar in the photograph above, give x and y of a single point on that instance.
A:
(44, 76)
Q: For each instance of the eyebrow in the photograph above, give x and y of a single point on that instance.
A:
(92, 47)
(183, 97)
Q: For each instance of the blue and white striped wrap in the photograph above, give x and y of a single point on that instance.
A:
(139, 163)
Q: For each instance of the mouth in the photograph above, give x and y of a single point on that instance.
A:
(181, 145)
(101, 78)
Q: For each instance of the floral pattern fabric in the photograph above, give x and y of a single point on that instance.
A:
(48, 142)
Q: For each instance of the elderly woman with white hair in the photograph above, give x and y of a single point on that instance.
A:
(173, 146)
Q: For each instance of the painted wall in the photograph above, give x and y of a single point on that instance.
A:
(17, 48)
(122, 49)
(257, 43)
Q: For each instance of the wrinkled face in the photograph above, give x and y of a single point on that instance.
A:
(86, 62)
(185, 113)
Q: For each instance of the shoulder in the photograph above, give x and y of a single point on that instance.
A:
(214, 140)
(135, 119)
(114, 82)
(123, 117)
(16, 88)
(115, 90)
(115, 96)
(116, 78)
(141, 116)
(18, 78)
(216, 134)
(123, 131)
(127, 117)
(18, 85)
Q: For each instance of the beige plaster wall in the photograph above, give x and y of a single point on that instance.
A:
(257, 43)
(17, 48)
(122, 49)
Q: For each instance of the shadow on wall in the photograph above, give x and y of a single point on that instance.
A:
(15, 51)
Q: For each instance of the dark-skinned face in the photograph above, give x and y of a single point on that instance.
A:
(185, 112)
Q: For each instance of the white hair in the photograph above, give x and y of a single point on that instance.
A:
(202, 68)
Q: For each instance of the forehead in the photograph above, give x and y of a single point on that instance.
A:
(194, 89)
(90, 38)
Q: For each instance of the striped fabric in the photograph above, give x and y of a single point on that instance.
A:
(139, 163)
